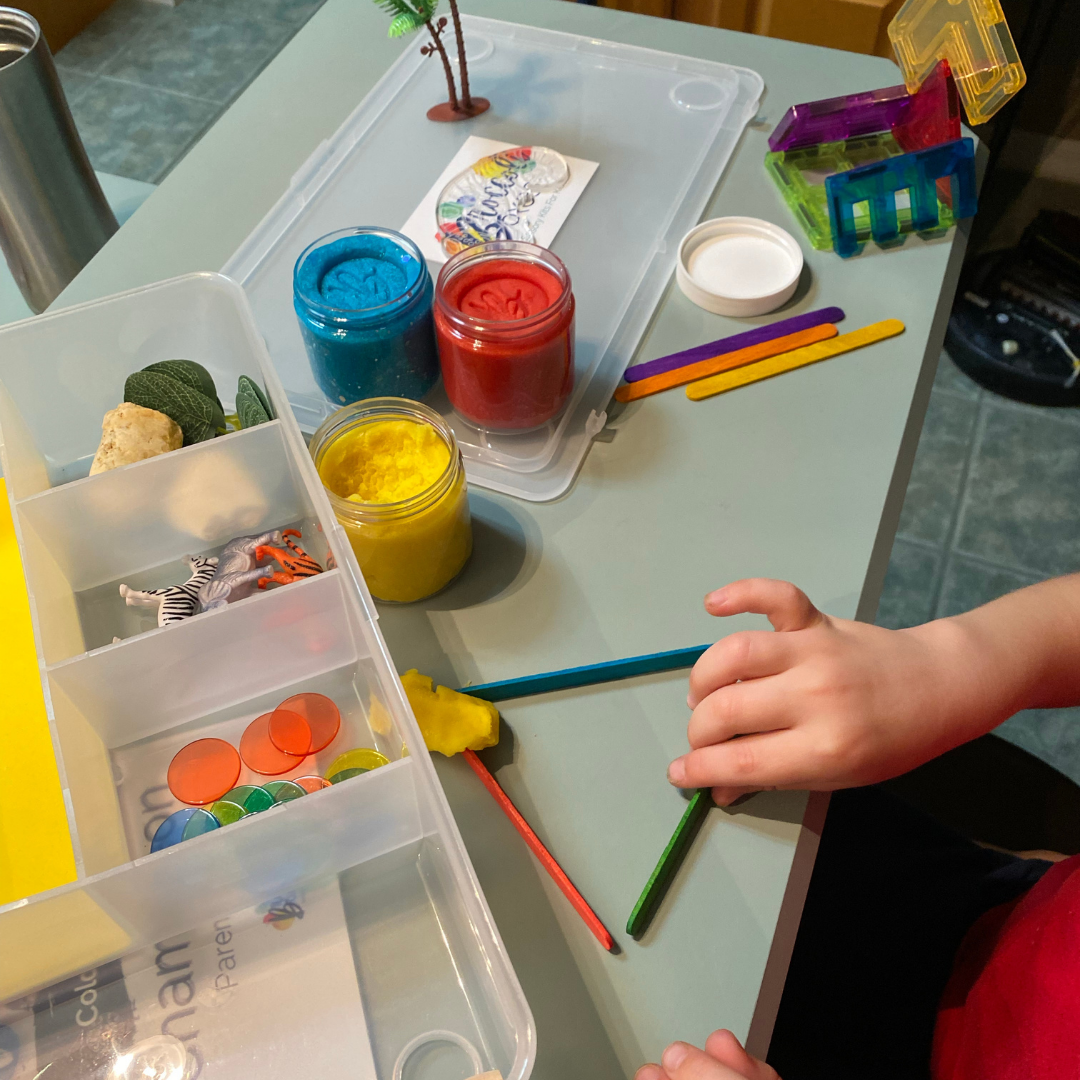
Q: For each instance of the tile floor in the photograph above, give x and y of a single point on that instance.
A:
(993, 500)
(145, 80)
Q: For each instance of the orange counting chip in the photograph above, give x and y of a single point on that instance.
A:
(289, 732)
(260, 754)
(311, 783)
(321, 714)
(203, 771)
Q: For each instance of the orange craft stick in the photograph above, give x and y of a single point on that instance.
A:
(546, 858)
(703, 368)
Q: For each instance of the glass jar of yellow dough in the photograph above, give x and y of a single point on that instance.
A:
(394, 476)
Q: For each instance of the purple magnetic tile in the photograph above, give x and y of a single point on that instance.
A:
(756, 336)
(836, 119)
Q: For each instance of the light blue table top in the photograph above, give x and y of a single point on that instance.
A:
(800, 477)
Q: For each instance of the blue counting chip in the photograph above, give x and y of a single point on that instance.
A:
(171, 830)
(202, 821)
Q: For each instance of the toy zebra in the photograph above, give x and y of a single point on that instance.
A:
(237, 571)
(177, 602)
(295, 563)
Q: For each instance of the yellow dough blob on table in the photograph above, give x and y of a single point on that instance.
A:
(407, 509)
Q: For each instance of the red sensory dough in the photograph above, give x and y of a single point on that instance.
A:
(505, 330)
(203, 771)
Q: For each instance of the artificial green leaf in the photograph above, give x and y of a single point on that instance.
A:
(403, 24)
(395, 7)
(251, 405)
(188, 371)
(199, 417)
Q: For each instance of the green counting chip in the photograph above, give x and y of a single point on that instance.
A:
(227, 812)
(346, 774)
(253, 799)
(284, 790)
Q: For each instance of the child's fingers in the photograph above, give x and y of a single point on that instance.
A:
(770, 760)
(725, 796)
(787, 607)
(682, 1061)
(723, 1046)
(747, 708)
(748, 655)
(649, 1072)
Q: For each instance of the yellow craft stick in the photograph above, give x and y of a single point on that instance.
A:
(809, 354)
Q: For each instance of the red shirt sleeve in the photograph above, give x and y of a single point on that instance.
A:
(1011, 1010)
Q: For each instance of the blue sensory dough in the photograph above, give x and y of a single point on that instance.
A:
(363, 297)
(878, 183)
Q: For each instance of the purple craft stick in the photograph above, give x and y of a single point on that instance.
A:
(836, 119)
(737, 341)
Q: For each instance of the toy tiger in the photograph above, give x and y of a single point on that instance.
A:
(295, 563)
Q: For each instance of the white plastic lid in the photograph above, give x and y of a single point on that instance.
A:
(738, 266)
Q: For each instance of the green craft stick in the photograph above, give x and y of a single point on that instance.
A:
(661, 878)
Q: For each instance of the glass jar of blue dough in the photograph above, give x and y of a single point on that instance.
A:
(363, 297)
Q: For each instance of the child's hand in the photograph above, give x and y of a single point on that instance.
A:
(826, 703)
(723, 1059)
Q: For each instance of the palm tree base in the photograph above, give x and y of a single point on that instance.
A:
(446, 113)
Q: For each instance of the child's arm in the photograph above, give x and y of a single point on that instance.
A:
(827, 703)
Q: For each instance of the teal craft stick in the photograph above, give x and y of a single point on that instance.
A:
(589, 675)
(660, 881)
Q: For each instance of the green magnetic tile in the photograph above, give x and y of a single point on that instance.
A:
(799, 176)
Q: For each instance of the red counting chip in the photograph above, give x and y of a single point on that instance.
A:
(203, 771)
(289, 732)
(322, 717)
(260, 754)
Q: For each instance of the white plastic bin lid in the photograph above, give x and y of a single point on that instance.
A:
(662, 128)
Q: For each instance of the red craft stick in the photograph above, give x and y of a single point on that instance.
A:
(550, 865)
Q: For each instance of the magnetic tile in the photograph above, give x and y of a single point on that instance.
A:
(938, 470)
(907, 598)
(138, 132)
(1021, 507)
(1050, 734)
(114, 29)
(968, 584)
(206, 49)
(950, 379)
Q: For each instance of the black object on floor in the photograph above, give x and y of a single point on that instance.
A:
(1015, 325)
(892, 895)
(991, 791)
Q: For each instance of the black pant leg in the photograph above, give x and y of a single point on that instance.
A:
(892, 895)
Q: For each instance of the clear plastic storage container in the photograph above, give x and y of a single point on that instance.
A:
(662, 128)
(376, 865)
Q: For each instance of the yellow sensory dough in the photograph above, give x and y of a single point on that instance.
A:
(449, 721)
(397, 485)
(385, 462)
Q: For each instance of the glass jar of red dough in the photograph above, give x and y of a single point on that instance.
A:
(504, 323)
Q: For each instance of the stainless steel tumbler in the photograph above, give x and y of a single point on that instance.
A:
(53, 215)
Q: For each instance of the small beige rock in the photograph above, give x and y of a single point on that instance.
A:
(131, 433)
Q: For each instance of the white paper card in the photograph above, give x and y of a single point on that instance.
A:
(552, 209)
(271, 992)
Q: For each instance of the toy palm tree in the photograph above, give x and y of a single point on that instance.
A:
(408, 17)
